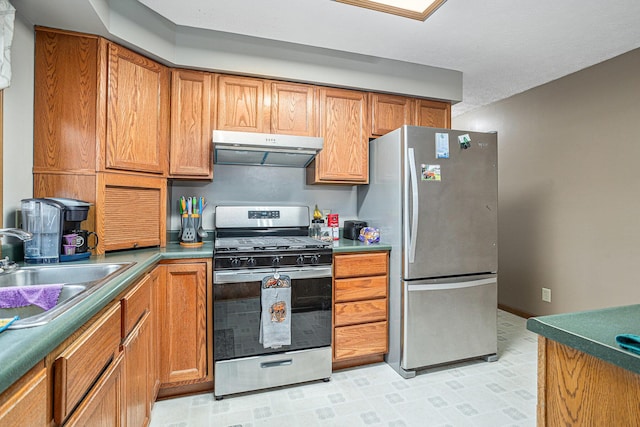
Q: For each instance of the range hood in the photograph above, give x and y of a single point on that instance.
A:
(264, 149)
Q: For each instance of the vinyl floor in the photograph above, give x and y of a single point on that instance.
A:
(473, 393)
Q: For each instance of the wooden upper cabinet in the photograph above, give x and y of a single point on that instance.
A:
(137, 112)
(344, 125)
(241, 104)
(433, 113)
(389, 112)
(66, 76)
(192, 107)
(294, 109)
(97, 106)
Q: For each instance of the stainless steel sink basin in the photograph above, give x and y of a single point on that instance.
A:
(79, 281)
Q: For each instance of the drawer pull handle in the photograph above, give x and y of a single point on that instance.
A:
(275, 363)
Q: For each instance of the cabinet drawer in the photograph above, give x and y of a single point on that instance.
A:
(78, 367)
(135, 304)
(361, 288)
(360, 340)
(357, 265)
(349, 313)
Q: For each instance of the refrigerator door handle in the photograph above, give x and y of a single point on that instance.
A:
(456, 285)
(413, 234)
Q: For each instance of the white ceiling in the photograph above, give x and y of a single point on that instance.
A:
(502, 47)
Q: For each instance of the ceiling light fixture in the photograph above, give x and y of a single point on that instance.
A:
(414, 9)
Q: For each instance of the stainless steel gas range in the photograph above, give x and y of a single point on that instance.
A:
(272, 299)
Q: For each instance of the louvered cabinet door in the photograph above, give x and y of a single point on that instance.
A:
(131, 211)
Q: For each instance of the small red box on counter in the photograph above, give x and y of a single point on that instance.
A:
(332, 220)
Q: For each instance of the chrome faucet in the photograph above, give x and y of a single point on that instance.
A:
(6, 265)
(16, 232)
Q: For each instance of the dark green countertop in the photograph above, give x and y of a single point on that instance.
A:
(21, 349)
(346, 245)
(594, 332)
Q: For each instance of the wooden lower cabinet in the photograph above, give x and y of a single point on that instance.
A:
(137, 349)
(360, 310)
(24, 404)
(577, 389)
(104, 405)
(186, 358)
(83, 362)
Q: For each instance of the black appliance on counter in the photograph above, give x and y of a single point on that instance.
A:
(352, 229)
(251, 245)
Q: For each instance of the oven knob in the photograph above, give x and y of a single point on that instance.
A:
(300, 260)
(315, 259)
(235, 262)
(275, 260)
(251, 262)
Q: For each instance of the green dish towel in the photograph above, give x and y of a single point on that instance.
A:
(629, 342)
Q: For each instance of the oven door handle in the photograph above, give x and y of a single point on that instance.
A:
(256, 275)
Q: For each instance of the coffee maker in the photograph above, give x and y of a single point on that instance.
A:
(52, 221)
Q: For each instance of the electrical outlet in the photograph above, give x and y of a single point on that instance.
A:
(546, 294)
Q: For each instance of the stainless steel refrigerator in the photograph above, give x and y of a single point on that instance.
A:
(433, 193)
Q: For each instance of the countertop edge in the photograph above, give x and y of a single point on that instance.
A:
(552, 327)
(22, 349)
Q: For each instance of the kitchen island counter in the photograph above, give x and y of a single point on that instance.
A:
(594, 332)
(584, 377)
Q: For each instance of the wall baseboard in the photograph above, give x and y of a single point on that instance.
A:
(515, 311)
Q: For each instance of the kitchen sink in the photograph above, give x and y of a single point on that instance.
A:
(79, 281)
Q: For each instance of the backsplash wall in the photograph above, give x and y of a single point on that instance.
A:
(262, 185)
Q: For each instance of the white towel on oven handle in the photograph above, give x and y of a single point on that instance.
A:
(275, 318)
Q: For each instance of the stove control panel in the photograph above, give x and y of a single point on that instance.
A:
(227, 261)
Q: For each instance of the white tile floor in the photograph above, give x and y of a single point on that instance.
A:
(474, 393)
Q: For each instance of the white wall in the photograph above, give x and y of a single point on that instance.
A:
(569, 193)
(18, 123)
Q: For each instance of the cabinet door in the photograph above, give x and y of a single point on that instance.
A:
(389, 112)
(294, 109)
(156, 282)
(130, 211)
(24, 404)
(344, 125)
(104, 405)
(433, 114)
(183, 345)
(190, 153)
(241, 104)
(137, 113)
(65, 107)
(137, 348)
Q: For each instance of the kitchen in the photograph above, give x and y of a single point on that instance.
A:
(548, 202)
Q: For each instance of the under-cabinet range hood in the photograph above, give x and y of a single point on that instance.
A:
(264, 149)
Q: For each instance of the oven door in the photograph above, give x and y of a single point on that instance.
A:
(237, 308)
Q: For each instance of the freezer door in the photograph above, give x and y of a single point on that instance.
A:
(446, 322)
(450, 202)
